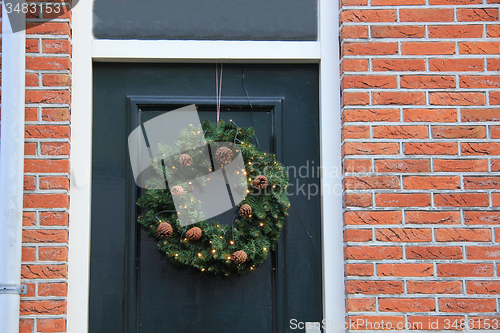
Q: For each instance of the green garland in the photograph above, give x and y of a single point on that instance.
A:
(256, 234)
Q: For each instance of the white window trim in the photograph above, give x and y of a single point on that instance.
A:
(325, 52)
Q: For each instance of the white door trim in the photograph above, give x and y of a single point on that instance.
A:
(325, 52)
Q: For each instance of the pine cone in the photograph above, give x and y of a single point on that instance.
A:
(245, 210)
(194, 233)
(177, 191)
(239, 257)
(185, 160)
(164, 230)
(260, 182)
(224, 155)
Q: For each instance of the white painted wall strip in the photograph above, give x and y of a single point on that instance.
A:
(331, 182)
(11, 169)
(163, 50)
(81, 158)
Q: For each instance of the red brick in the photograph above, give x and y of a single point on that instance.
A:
(431, 115)
(53, 253)
(466, 305)
(427, 48)
(434, 252)
(479, 115)
(25, 325)
(45, 201)
(412, 165)
(56, 80)
(495, 198)
(31, 114)
(31, 287)
(461, 200)
(402, 200)
(28, 254)
(358, 269)
(365, 183)
(360, 304)
(495, 132)
(374, 322)
(398, 65)
(397, 2)
(370, 115)
(483, 287)
(32, 46)
(54, 183)
(427, 82)
(400, 132)
(369, 48)
(353, 32)
(487, 148)
(403, 31)
(48, 63)
(44, 271)
(354, 65)
(52, 289)
(344, 3)
(373, 287)
(460, 165)
(493, 64)
(372, 252)
(55, 148)
(47, 97)
(406, 304)
(398, 98)
(483, 252)
(456, 65)
(369, 81)
(357, 166)
(357, 235)
(29, 183)
(55, 114)
(438, 217)
(434, 287)
(372, 218)
(482, 182)
(31, 80)
(464, 270)
(495, 165)
(431, 148)
(49, 28)
(53, 219)
(456, 98)
(29, 219)
(355, 132)
(43, 308)
(404, 269)
(56, 46)
(479, 47)
(403, 235)
(456, 31)
(482, 217)
(481, 81)
(51, 325)
(47, 131)
(355, 98)
(459, 132)
(368, 148)
(357, 200)
(378, 15)
(477, 14)
(430, 183)
(420, 323)
(46, 166)
(494, 98)
(454, 2)
(426, 15)
(45, 236)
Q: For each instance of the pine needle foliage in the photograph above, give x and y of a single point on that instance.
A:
(256, 234)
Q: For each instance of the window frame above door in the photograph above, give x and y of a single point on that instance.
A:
(324, 52)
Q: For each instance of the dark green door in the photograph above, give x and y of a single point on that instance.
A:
(133, 287)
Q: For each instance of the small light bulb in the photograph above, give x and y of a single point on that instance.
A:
(228, 257)
(265, 248)
(231, 242)
(199, 254)
(261, 224)
(249, 163)
(248, 191)
(220, 237)
(176, 254)
(203, 269)
(185, 239)
(213, 251)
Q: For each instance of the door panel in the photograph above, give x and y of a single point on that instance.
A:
(133, 287)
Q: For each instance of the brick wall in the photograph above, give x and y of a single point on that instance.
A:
(421, 160)
(46, 168)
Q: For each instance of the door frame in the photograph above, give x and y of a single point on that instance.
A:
(324, 52)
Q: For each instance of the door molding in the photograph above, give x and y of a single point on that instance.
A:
(325, 52)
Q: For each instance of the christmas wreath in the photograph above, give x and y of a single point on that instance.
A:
(211, 246)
